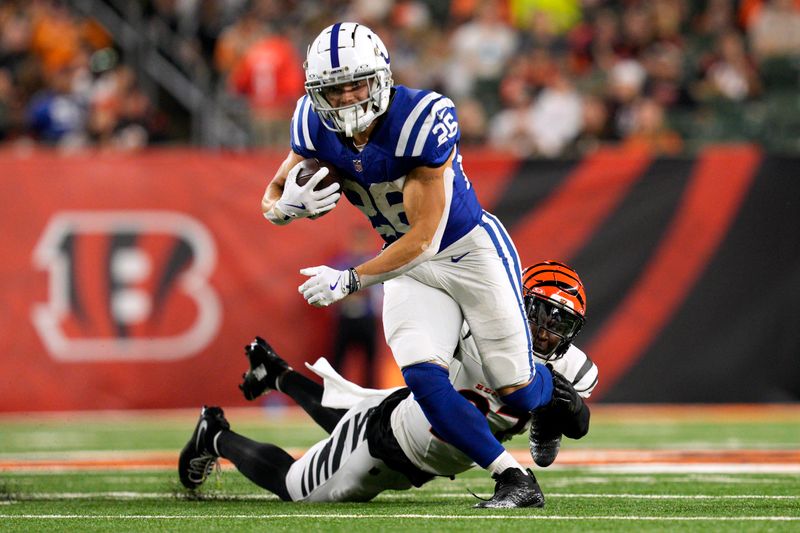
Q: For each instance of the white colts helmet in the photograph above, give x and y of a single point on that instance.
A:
(344, 53)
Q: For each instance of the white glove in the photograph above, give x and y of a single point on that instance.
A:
(327, 285)
(302, 202)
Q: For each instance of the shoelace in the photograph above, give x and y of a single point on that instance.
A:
(201, 467)
(477, 497)
(484, 499)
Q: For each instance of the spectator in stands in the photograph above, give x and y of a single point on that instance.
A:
(538, 67)
(669, 17)
(510, 129)
(650, 132)
(417, 59)
(56, 115)
(15, 39)
(541, 32)
(270, 77)
(556, 115)
(472, 122)
(666, 82)
(121, 114)
(637, 31)
(370, 12)
(542, 125)
(56, 37)
(594, 43)
(597, 128)
(625, 84)
(236, 40)
(775, 30)
(716, 19)
(685, 56)
(479, 53)
(730, 74)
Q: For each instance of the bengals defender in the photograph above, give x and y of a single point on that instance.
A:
(384, 441)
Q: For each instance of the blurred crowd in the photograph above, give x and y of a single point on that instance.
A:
(542, 78)
(61, 82)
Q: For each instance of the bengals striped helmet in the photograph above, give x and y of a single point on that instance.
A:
(556, 301)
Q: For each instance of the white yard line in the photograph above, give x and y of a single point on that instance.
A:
(351, 516)
(695, 468)
(129, 495)
(664, 468)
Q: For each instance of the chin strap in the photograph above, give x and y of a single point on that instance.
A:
(349, 120)
(352, 122)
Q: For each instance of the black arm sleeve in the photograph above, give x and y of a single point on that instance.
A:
(575, 425)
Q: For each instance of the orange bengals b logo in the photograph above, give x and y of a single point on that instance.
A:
(126, 285)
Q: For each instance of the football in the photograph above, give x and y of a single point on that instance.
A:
(309, 167)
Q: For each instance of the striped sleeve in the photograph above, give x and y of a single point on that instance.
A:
(430, 131)
(579, 369)
(303, 128)
(586, 380)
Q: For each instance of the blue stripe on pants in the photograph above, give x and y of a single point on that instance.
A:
(495, 231)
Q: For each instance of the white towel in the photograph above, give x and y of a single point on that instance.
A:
(339, 393)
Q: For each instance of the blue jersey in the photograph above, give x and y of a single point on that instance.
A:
(419, 129)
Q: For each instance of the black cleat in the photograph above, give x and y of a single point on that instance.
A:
(199, 456)
(514, 489)
(266, 367)
(544, 437)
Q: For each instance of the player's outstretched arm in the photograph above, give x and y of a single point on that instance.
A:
(573, 412)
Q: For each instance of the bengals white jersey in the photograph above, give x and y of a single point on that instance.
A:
(430, 453)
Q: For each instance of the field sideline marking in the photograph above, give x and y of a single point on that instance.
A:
(129, 495)
(395, 516)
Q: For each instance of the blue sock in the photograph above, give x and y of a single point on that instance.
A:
(451, 415)
(535, 394)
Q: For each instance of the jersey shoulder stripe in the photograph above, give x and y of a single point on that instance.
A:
(412, 119)
(302, 127)
(422, 136)
(298, 112)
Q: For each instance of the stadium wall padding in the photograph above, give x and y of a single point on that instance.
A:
(135, 280)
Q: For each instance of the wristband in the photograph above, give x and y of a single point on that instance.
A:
(355, 281)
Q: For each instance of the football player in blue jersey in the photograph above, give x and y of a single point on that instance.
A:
(446, 260)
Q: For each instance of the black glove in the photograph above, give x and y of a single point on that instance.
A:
(572, 412)
(564, 394)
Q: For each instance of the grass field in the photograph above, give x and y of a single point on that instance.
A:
(639, 469)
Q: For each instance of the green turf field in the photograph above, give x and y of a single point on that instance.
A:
(51, 480)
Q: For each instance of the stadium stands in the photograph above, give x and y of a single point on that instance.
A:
(673, 75)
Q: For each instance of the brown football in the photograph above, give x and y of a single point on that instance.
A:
(309, 167)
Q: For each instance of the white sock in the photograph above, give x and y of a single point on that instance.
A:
(504, 461)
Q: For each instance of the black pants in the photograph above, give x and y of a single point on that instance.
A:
(357, 332)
